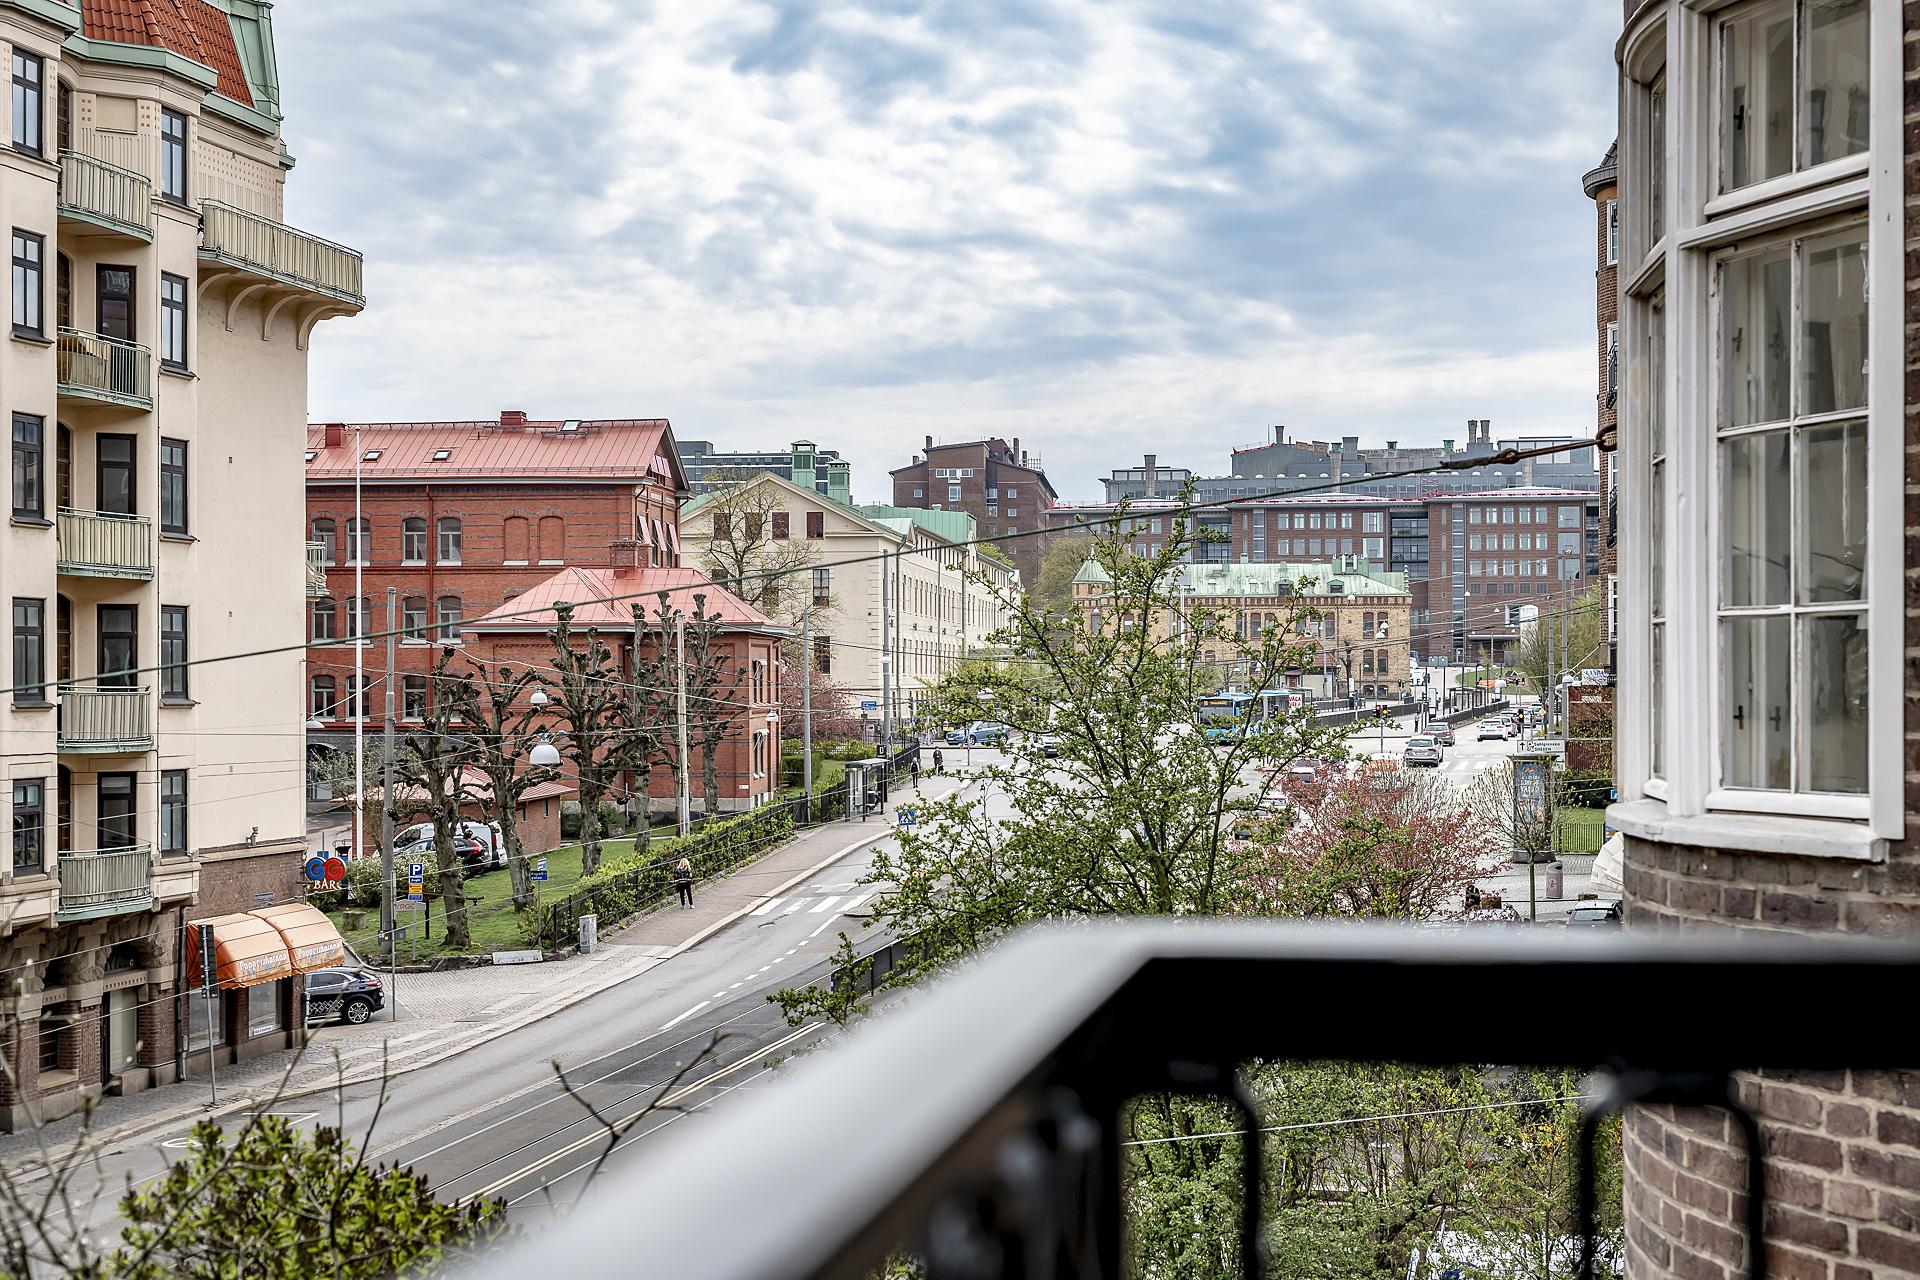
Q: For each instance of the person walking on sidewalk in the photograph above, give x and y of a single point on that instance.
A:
(683, 881)
(938, 763)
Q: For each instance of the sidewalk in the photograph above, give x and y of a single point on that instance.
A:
(443, 1014)
(1510, 882)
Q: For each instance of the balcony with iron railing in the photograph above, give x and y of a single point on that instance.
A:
(990, 1112)
(104, 882)
(100, 544)
(95, 367)
(104, 719)
(104, 198)
(316, 568)
(236, 240)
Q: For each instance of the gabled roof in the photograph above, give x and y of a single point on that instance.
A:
(605, 598)
(611, 451)
(811, 497)
(193, 29)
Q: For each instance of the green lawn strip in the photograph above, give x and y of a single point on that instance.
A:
(1580, 829)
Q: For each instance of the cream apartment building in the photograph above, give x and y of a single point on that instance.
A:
(155, 383)
(883, 583)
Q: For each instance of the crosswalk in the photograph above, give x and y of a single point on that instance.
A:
(817, 900)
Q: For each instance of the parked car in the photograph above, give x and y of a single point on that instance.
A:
(351, 995)
(1422, 750)
(1442, 734)
(474, 856)
(1596, 913)
(486, 834)
(1049, 745)
(957, 736)
(987, 732)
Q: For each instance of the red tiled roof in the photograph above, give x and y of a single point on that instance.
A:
(612, 451)
(605, 598)
(191, 28)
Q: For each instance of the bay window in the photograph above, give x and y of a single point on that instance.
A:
(1793, 88)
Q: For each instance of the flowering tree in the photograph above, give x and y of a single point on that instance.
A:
(835, 713)
(1376, 843)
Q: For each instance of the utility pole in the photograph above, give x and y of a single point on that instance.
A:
(680, 719)
(389, 921)
(358, 703)
(806, 710)
(886, 666)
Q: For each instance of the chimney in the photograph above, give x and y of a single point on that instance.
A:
(1153, 475)
(623, 556)
(1446, 446)
(1280, 433)
(1016, 449)
(929, 446)
(336, 434)
(840, 482)
(513, 417)
(1393, 447)
(1350, 445)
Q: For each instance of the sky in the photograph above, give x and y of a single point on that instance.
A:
(1105, 227)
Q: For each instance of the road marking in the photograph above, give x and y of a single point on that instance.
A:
(825, 904)
(765, 907)
(741, 983)
(856, 900)
(688, 1014)
(797, 904)
(718, 994)
(825, 925)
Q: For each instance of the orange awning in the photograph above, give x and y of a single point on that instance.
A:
(247, 951)
(311, 940)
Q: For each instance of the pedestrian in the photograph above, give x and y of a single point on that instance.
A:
(1473, 896)
(938, 763)
(916, 768)
(683, 881)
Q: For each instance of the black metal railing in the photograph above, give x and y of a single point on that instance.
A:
(988, 1111)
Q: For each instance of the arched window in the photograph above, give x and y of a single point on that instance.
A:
(359, 541)
(327, 534)
(323, 697)
(413, 540)
(1366, 623)
(518, 540)
(553, 540)
(449, 611)
(323, 619)
(413, 619)
(449, 550)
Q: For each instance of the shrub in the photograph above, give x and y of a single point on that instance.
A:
(849, 749)
(1586, 788)
(569, 819)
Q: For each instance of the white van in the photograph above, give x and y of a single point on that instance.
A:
(486, 834)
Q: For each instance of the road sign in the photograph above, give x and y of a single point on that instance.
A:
(416, 880)
(539, 868)
(869, 704)
(906, 815)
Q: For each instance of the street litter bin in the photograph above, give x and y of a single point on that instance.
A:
(1556, 880)
(589, 933)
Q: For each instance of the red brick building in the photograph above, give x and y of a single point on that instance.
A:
(999, 484)
(460, 518)
(746, 653)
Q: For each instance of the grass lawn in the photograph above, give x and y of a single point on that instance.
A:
(491, 919)
(1580, 829)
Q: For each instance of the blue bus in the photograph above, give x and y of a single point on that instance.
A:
(1223, 717)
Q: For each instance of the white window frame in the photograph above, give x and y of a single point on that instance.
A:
(1701, 224)
(1612, 208)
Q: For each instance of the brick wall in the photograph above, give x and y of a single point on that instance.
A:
(990, 470)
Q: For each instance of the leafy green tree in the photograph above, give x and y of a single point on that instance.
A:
(1051, 591)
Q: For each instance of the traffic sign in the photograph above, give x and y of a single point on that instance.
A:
(906, 815)
(539, 868)
(416, 881)
(869, 704)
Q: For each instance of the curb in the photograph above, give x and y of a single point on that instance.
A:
(139, 1128)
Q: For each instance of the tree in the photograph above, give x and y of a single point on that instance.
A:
(714, 679)
(1537, 657)
(587, 704)
(1386, 843)
(1051, 591)
(836, 713)
(746, 549)
(430, 768)
(499, 718)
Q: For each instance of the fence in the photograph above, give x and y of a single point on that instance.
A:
(615, 893)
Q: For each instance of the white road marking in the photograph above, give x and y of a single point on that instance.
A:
(855, 901)
(824, 926)
(737, 985)
(688, 1014)
(825, 904)
(718, 994)
(765, 907)
(797, 904)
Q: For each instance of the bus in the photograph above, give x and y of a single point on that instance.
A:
(1223, 717)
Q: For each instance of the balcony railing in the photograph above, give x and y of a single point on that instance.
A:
(106, 195)
(93, 718)
(99, 544)
(100, 882)
(273, 249)
(103, 368)
(316, 568)
(997, 1098)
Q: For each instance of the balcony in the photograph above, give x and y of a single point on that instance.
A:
(95, 367)
(105, 198)
(1001, 1092)
(105, 882)
(316, 569)
(99, 720)
(276, 253)
(97, 544)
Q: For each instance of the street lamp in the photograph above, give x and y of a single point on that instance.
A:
(544, 754)
(538, 697)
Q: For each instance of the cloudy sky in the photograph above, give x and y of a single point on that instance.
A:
(1104, 226)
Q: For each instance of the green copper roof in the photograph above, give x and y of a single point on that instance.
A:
(954, 526)
(1091, 572)
(1354, 576)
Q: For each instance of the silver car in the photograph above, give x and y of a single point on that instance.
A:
(1422, 750)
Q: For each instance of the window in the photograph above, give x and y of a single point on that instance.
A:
(119, 647)
(325, 532)
(47, 1038)
(1569, 517)
(173, 322)
(206, 1016)
(115, 303)
(449, 551)
(118, 826)
(359, 540)
(1372, 522)
(722, 525)
(780, 522)
(413, 619)
(29, 651)
(322, 698)
(413, 540)
(1569, 544)
(1473, 515)
(1793, 439)
(173, 486)
(822, 586)
(116, 473)
(823, 655)
(953, 493)
(322, 620)
(29, 483)
(359, 619)
(1013, 493)
(1473, 542)
(1612, 209)
(448, 608)
(173, 156)
(413, 698)
(173, 652)
(29, 825)
(919, 492)
(816, 524)
(1793, 88)
(29, 286)
(1613, 358)
(355, 706)
(28, 103)
(173, 813)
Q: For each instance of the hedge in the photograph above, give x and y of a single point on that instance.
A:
(635, 883)
(1586, 788)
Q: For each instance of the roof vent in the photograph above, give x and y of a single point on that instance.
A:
(513, 417)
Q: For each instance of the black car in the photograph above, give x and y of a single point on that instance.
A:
(351, 995)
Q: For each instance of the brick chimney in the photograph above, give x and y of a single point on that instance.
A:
(513, 417)
(623, 556)
(929, 446)
(336, 434)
